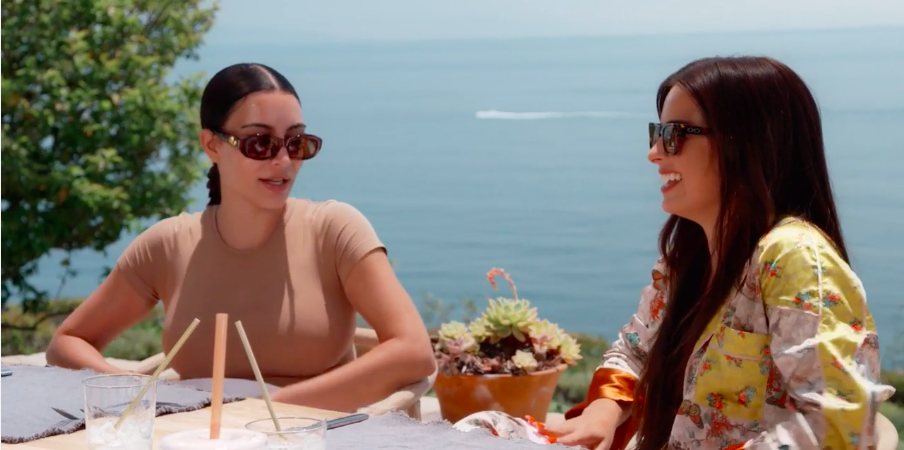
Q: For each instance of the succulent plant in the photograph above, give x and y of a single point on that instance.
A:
(480, 329)
(508, 317)
(507, 338)
(569, 349)
(544, 335)
(452, 330)
(456, 339)
(525, 361)
(491, 277)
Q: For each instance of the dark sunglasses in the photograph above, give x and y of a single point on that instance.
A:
(670, 133)
(264, 146)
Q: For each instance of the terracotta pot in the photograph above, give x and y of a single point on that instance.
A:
(462, 395)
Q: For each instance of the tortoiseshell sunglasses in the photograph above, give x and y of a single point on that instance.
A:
(671, 133)
(264, 146)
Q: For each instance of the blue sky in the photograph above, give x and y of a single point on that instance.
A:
(259, 21)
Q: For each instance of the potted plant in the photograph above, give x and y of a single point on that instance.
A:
(505, 360)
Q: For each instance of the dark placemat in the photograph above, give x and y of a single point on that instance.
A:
(32, 392)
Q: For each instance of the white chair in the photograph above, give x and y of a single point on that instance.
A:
(888, 435)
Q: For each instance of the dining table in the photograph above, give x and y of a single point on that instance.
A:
(235, 415)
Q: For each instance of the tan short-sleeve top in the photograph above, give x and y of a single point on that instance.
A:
(288, 292)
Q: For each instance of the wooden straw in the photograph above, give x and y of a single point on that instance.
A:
(257, 374)
(219, 372)
(160, 369)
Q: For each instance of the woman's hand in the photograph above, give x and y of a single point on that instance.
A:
(593, 429)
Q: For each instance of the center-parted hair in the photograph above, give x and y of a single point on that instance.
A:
(224, 92)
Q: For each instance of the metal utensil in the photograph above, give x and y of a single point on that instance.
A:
(71, 416)
(347, 420)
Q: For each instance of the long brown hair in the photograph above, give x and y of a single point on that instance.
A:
(768, 140)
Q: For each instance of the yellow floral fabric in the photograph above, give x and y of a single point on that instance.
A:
(791, 360)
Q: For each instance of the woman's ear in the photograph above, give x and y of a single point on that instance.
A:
(209, 142)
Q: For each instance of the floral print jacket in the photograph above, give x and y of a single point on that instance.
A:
(791, 361)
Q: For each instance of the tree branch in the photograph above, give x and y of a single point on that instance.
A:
(34, 326)
(155, 18)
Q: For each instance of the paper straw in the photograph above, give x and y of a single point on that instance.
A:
(257, 374)
(219, 372)
(160, 369)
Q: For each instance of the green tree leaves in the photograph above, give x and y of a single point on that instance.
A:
(95, 138)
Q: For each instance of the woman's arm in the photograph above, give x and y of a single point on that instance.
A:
(620, 368)
(823, 343)
(403, 356)
(604, 419)
(124, 298)
(113, 308)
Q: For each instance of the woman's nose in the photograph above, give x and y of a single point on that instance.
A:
(282, 157)
(655, 154)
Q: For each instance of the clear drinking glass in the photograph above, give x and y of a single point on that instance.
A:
(298, 433)
(106, 398)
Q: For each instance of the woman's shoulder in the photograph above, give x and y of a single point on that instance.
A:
(184, 225)
(319, 208)
(327, 215)
(343, 233)
(148, 260)
(797, 260)
(794, 236)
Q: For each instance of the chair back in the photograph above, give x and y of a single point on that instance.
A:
(887, 434)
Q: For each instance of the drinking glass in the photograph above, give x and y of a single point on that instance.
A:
(106, 399)
(298, 433)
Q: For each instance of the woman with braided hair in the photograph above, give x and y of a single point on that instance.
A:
(295, 272)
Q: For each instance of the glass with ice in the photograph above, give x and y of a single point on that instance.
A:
(106, 398)
(230, 439)
(298, 433)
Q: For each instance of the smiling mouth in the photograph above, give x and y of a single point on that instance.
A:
(670, 178)
(275, 181)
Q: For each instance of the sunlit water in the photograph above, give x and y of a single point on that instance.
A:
(530, 155)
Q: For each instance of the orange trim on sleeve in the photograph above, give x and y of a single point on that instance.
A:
(616, 385)
(613, 384)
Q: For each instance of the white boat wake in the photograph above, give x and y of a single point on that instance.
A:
(507, 115)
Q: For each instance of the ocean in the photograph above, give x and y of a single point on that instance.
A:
(530, 155)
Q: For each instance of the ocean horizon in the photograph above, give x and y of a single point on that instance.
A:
(530, 155)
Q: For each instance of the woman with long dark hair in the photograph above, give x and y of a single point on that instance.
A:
(754, 331)
(295, 272)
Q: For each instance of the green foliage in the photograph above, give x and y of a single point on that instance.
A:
(895, 414)
(573, 384)
(435, 311)
(141, 341)
(895, 378)
(94, 137)
(25, 333)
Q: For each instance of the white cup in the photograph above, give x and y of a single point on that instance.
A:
(230, 439)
